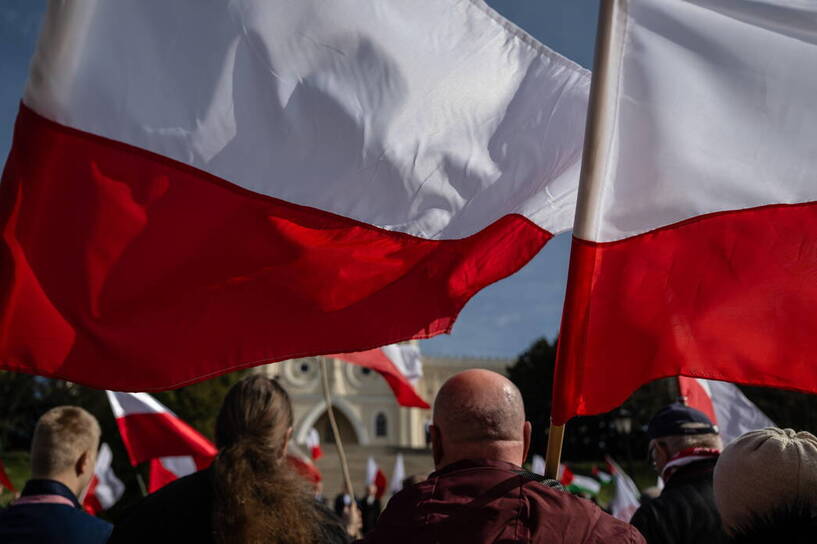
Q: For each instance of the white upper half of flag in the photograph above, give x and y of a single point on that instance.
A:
(406, 357)
(398, 475)
(371, 470)
(430, 117)
(736, 414)
(313, 439)
(714, 112)
(109, 488)
(126, 404)
(180, 465)
(626, 497)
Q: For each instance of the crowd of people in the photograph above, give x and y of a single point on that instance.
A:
(761, 486)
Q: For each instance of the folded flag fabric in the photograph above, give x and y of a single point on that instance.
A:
(105, 488)
(695, 243)
(375, 476)
(627, 497)
(5, 481)
(601, 476)
(401, 367)
(199, 187)
(151, 432)
(725, 405)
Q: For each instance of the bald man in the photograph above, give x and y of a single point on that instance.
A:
(479, 492)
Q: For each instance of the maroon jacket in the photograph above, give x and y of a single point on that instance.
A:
(485, 501)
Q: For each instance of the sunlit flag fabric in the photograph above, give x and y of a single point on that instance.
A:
(401, 367)
(105, 487)
(695, 246)
(153, 433)
(725, 405)
(199, 187)
(626, 497)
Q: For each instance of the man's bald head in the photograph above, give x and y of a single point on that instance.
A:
(477, 412)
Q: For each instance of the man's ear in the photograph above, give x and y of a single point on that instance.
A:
(83, 464)
(526, 433)
(436, 445)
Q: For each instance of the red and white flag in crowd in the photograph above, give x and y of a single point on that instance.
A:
(398, 474)
(313, 442)
(375, 476)
(5, 481)
(626, 497)
(400, 365)
(725, 405)
(151, 432)
(105, 487)
(255, 180)
(695, 240)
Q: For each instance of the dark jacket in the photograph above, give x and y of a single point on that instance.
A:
(45, 523)
(787, 524)
(493, 501)
(369, 512)
(182, 512)
(685, 512)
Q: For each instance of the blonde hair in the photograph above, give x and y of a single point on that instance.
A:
(62, 434)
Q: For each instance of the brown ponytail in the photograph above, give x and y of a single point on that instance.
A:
(257, 496)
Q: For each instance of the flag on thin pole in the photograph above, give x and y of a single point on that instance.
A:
(375, 476)
(313, 442)
(151, 432)
(105, 487)
(576, 483)
(726, 406)
(695, 240)
(256, 180)
(401, 367)
(398, 474)
(626, 497)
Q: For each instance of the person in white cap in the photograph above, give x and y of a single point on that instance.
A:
(766, 487)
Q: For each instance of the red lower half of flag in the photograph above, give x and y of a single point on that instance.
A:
(380, 482)
(727, 296)
(152, 435)
(125, 270)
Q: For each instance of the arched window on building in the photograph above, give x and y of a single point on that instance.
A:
(381, 425)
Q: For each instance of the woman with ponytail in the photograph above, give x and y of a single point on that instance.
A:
(250, 494)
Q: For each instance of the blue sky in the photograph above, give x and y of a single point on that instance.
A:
(503, 319)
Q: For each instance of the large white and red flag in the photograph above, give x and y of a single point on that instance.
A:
(726, 406)
(151, 432)
(199, 187)
(400, 365)
(105, 487)
(695, 241)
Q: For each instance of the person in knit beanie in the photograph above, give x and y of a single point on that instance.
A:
(766, 487)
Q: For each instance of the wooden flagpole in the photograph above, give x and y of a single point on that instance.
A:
(600, 112)
(344, 465)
